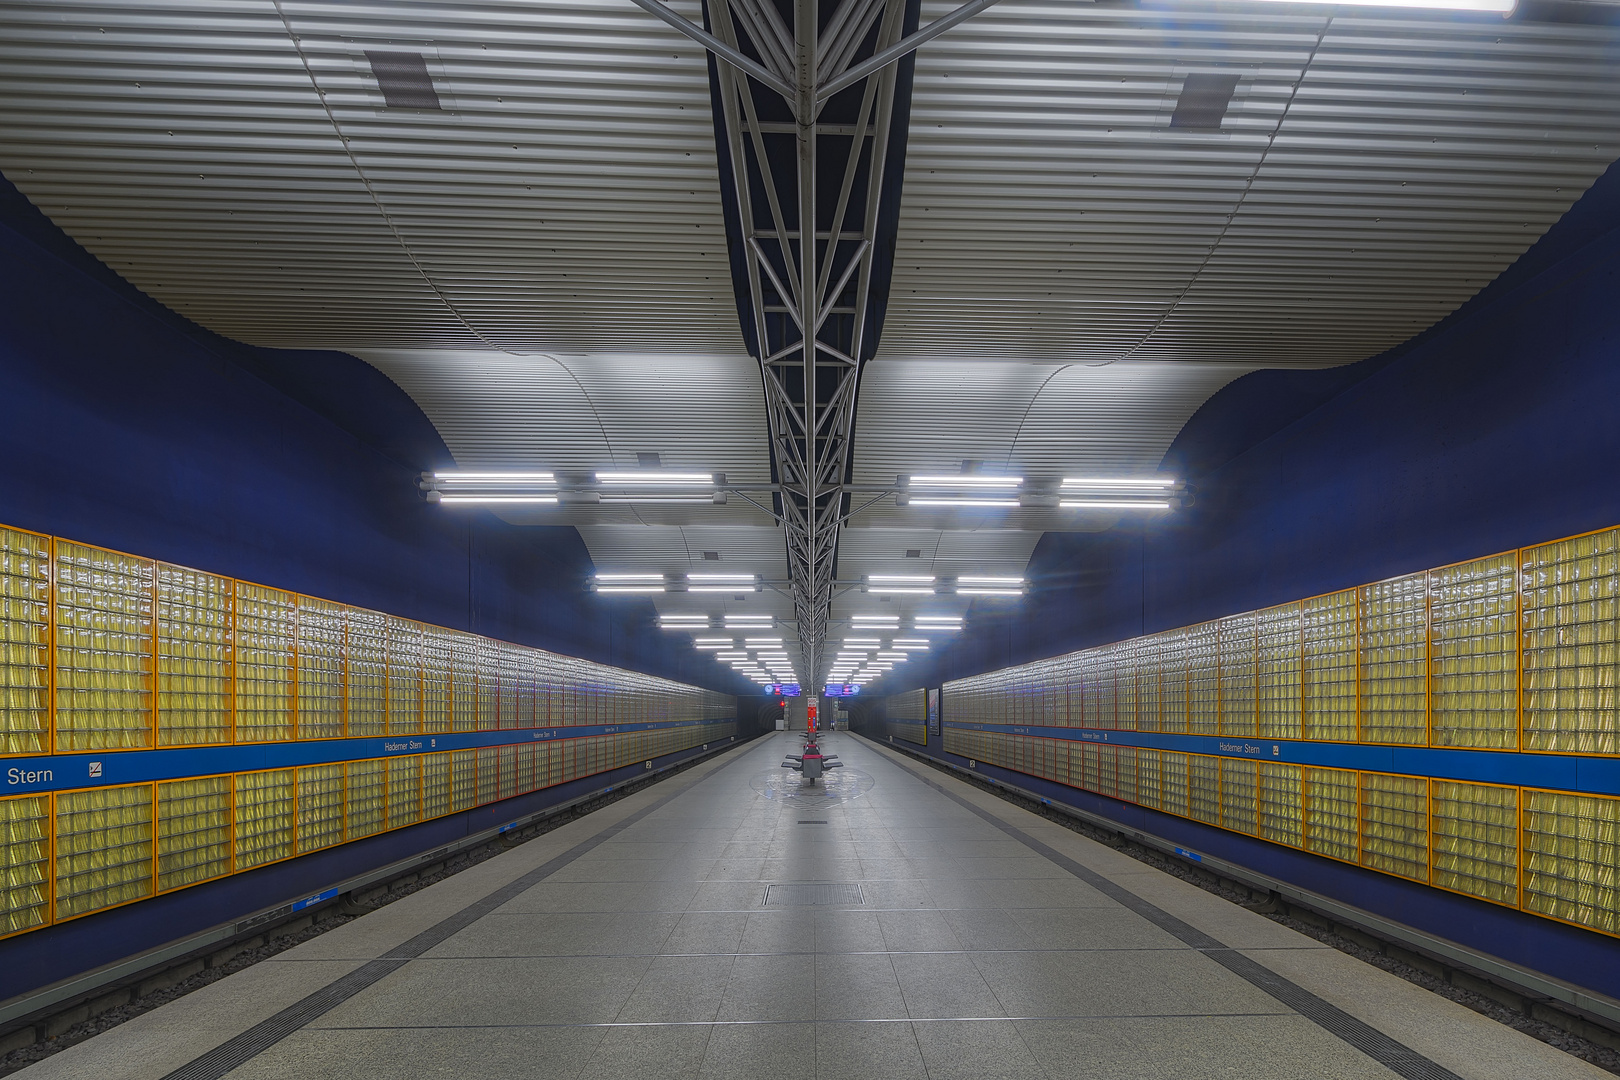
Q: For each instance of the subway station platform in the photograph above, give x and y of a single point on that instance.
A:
(731, 923)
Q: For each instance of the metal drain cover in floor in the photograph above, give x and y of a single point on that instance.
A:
(813, 894)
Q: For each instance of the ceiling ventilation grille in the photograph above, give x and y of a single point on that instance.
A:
(404, 79)
(1203, 102)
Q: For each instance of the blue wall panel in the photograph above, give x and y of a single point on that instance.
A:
(128, 427)
(1494, 430)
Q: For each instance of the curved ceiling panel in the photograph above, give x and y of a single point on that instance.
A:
(238, 161)
(1366, 176)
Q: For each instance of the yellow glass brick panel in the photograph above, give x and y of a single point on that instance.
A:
(193, 657)
(194, 831)
(103, 848)
(1100, 702)
(1201, 650)
(366, 800)
(526, 778)
(506, 764)
(320, 807)
(489, 776)
(321, 632)
(464, 779)
(1328, 666)
(266, 632)
(104, 649)
(1173, 784)
(1394, 660)
(1238, 660)
(1332, 818)
(1126, 774)
(509, 672)
(1204, 788)
(404, 677)
(25, 584)
(1238, 810)
(266, 815)
(438, 785)
(1395, 824)
(438, 680)
(1279, 808)
(1125, 692)
(1571, 609)
(1475, 829)
(1473, 655)
(25, 854)
(1089, 767)
(1150, 777)
(1172, 681)
(366, 679)
(464, 688)
(1571, 852)
(404, 791)
(1148, 679)
(487, 683)
(1278, 643)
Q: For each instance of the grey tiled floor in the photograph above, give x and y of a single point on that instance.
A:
(654, 956)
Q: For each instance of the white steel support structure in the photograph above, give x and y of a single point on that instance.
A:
(809, 235)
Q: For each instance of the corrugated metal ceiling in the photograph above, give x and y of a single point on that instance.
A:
(1372, 172)
(541, 263)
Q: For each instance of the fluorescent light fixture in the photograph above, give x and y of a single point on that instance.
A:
(629, 577)
(965, 480)
(990, 592)
(731, 656)
(629, 588)
(903, 579)
(1108, 504)
(893, 657)
(628, 498)
(764, 641)
(877, 619)
(739, 587)
(495, 477)
(938, 618)
(727, 645)
(899, 589)
(715, 640)
(691, 617)
(1149, 481)
(966, 580)
(671, 478)
(862, 641)
(921, 643)
(1503, 6)
(721, 577)
(464, 499)
(912, 648)
(737, 617)
(963, 502)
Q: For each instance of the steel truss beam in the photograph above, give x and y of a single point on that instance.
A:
(807, 95)
(808, 191)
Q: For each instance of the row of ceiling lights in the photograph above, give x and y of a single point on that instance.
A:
(460, 487)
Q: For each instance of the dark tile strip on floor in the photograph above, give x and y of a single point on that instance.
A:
(1390, 1053)
(242, 1048)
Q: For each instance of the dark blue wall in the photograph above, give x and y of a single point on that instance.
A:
(1499, 427)
(129, 427)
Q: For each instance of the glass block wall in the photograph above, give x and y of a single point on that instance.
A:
(1451, 727)
(161, 726)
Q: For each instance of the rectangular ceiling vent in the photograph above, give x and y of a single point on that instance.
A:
(1203, 102)
(404, 79)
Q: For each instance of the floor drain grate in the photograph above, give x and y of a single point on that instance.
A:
(812, 821)
(813, 894)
